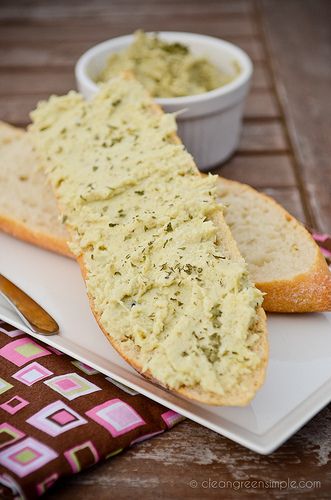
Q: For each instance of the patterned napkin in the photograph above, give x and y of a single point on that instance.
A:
(58, 416)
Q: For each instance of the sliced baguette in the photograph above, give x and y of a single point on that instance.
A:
(284, 260)
(293, 281)
(220, 362)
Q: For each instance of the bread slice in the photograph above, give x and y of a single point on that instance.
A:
(165, 279)
(27, 205)
(290, 269)
(283, 259)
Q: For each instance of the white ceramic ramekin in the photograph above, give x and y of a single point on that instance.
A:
(209, 124)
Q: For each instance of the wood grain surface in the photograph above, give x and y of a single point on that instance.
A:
(285, 151)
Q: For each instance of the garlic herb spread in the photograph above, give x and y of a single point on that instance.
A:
(160, 276)
(166, 69)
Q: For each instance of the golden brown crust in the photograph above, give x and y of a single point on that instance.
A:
(42, 239)
(306, 292)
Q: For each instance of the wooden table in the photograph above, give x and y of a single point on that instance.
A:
(285, 151)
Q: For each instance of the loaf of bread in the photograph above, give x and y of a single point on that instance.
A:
(165, 279)
(283, 260)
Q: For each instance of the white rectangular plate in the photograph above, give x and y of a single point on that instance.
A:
(298, 382)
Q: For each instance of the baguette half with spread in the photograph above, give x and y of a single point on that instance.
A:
(283, 259)
(164, 277)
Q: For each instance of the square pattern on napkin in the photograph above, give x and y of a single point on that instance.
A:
(59, 416)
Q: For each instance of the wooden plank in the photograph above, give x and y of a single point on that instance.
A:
(303, 76)
(113, 25)
(35, 55)
(261, 77)
(17, 54)
(263, 137)
(64, 9)
(20, 82)
(260, 171)
(251, 45)
(152, 468)
(261, 104)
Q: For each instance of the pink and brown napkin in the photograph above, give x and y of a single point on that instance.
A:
(58, 416)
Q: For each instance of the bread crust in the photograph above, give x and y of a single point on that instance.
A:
(42, 239)
(305, 292)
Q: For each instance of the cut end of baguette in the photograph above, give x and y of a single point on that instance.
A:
(284, 260)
